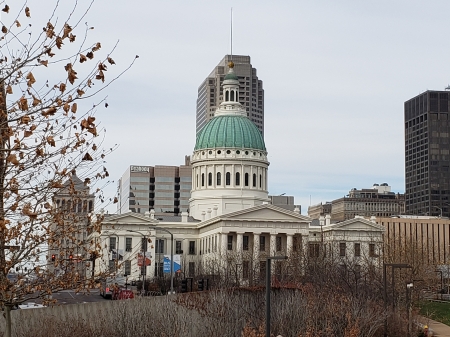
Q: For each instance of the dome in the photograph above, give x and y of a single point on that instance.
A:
(230, 131)
(231, 76)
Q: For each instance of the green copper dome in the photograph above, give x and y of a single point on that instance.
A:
(230, 131)
(231, 76)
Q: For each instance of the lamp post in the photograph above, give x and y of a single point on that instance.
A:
(393, 265)
(409, 287)
(268, 288)
(144, 250)
(171, 256)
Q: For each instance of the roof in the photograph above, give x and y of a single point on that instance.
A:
(230, 131)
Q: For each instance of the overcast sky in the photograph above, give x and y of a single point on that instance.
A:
(335, 73)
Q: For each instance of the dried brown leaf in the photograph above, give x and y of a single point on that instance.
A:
(66, 107)
(23, 103)
(97, 46)
(74, 108)
(67, 30)
(80, 92)
(62, 87)
(36, 101)
(9, 90)
(59, 42)
(18, 23)
(6, 9)
(4, 30)
(31, 79)
(25, 119)
(12, 159)
(90, 55)
(115, 200)
(50, 141)
(44, 63)
(83, 58)
(49, 112)
(72, 37)
(27, 12)
(72, 76)
(111, 61)
(87, 157)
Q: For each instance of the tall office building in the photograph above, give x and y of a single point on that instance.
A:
(251, 92)
(166, 189)
(427, 158)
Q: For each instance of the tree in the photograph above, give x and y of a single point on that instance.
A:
(45, 142)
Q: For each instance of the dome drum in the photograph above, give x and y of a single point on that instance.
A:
(229, 154)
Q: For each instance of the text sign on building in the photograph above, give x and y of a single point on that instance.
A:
(176, 263)
(139, 169)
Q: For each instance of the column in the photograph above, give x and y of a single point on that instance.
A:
(272, 247)
(223, 244)
(239, 243)
(289, 243)
(256, 252)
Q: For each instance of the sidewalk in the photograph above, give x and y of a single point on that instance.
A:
(438, 328)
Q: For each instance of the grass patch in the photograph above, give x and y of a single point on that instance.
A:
(438, 311)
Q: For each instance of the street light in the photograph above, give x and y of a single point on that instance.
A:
(409, 287)
(171, 256)
(268, 288)
(393, 265)
(144, 250)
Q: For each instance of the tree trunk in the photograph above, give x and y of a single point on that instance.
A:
(8, 321)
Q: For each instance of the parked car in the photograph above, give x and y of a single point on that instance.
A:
(108, 285)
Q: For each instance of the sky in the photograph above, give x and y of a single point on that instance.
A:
(335, 74)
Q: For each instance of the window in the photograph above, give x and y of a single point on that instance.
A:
(260, 181)
(342, 247)
(245, 242)
(127, 268)
(159, 269)
(297, 243)
(112, 243)
(314, 249)
(228, 178)
(278, 243)
(128, 244)
(357, 271)
(246, 179)
(245, 269)
(203, 179)
(238, 178)
(209, 179)
(230, 242)
(191, 269)
(196, 179)
(192, 247)
(232, 95)
(144, 244)
(262, 270)
(178, 249)
(159, 246)
(262, 243)
(372, 250)
(254, 180)
(112, 265)
(226, 96)
(357, 249)
(219, 179)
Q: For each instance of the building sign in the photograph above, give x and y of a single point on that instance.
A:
(148, 261)
(176, 263)
(139, 169)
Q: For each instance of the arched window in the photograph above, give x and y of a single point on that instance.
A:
(228, 178)
(196, 179)
(209, 179)
(260, 181)
(57, 203)
(238, 179)
(219, 179)
(246, 179)
(237, 96)
(91, 208)
(254, 180)
(203, 179)
(232, 95)
(226, 95)
(63, 204)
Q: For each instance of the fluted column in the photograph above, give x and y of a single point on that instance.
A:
(223, 244)
(272, 248)
(289, 243)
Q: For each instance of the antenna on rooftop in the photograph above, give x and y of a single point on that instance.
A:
(231, 33)
(448, 87)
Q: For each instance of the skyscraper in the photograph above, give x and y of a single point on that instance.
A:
(427, 158)
(166, 189)
(251, 92)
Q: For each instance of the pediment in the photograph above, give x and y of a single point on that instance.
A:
(357, 224)
(128, 218)
(268, 213)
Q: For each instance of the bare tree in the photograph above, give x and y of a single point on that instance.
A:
(45, 72)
